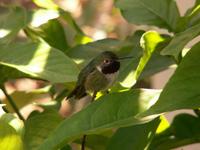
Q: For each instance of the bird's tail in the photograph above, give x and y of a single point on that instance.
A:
(77, 93)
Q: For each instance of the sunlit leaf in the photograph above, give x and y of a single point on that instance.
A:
(49, 4)
(148, 42)
(14, 122)
(42, 16)
(113, 110)
(40, 61)
(164, 124)
(9, 138)
(162, 14)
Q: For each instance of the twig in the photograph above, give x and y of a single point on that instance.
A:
(12, 103)
(85, 136)
(3, 107)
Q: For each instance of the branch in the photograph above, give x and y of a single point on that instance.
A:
(84, 136)
(12, 103)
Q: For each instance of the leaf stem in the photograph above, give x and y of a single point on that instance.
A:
(3, 107)
(12, 103)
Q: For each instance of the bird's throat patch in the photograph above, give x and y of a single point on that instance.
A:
(111, 68)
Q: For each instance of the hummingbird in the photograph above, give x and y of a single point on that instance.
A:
(99, 75)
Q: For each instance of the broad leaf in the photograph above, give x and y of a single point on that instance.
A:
(52, 32)
(10, 139)
(49, 4)
(180, 40)
(14, 122)
(184, 130)
(11, 21)
(135, 137)
(163, 14)
(39, 126)
(193, 14)
(8, 73)
(96, 142)
(39, 61)
(182, 90)
(148, 42)
(42, 16)
(109, 111)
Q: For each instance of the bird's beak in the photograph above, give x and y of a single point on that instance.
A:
(127, 57)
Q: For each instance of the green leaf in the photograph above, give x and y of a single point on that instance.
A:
(109, 111)
(134, 137)
(14, 122)
(163, 14)
(11, 21)
(49, 4)
(10, 139)
(156, 64)
(180, 40)
(8, 73)
(193, 14)
(42, 16)
(148, 42)
(39, 126)
(52, 32)
(184, 130)
(182, 90)
(96, 142)
(39, 61)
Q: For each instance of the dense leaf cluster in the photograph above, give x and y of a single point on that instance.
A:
(54, 53)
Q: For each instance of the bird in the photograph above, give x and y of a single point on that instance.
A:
(98, 75)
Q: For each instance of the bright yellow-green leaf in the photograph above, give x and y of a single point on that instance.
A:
(9, 138)
(49, 4)
(148, 42)
(164, 124)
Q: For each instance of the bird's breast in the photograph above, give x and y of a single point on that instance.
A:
(111, 78)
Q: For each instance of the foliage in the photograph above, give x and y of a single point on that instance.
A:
(54, 53)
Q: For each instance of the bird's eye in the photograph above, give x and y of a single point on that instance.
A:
(106, 61)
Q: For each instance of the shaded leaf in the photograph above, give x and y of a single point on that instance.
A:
(182, 90)
(113, 110)
(180, 40)
(39, 126)
(52, 32)
(39, 61)
(9, 28)
(193, 14)
(134, 137)
(184, 130)
(8, 73)
(23, 98)
(96, 142)
(163, 14)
